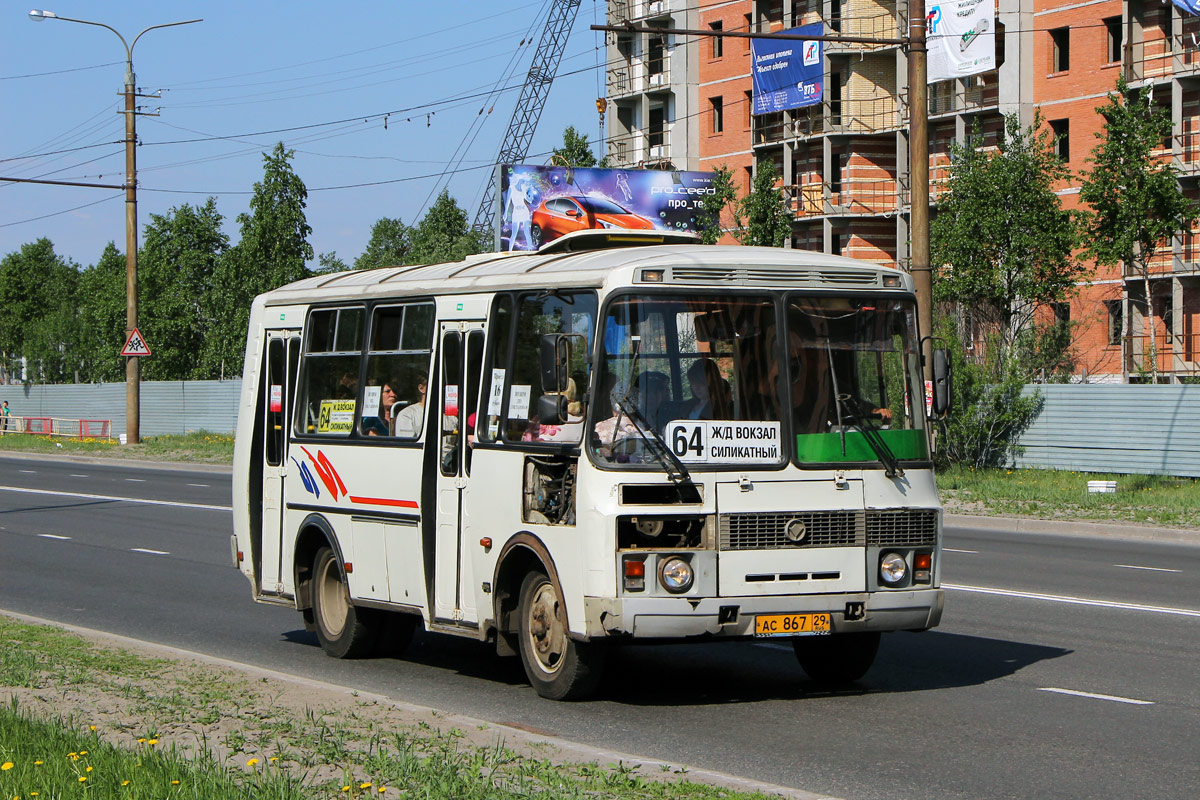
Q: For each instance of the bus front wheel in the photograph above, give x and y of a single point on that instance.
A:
(343, 630)
(837, 659)
(559, 667)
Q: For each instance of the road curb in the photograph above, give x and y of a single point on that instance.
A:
(577, 751)
(131, 463)
(1099, 530)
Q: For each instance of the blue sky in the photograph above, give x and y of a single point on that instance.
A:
(234, 84)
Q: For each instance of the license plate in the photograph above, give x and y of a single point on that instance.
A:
(791, 624)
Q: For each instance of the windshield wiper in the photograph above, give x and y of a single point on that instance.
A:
(891, 464)
(670, 463)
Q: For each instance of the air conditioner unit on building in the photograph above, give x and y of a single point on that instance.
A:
(654, 7)
(658, 79)
(658, 152)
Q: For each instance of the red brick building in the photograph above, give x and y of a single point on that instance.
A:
(845, 162)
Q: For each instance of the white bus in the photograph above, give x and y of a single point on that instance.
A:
(626, 437)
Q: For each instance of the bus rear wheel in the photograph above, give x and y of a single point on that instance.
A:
(559, 667)
(343, 630)
(838, 659)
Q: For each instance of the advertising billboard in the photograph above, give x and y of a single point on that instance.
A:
(539, 203)
(788, 73)
(962, 38)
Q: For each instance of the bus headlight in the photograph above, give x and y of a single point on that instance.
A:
(892, 568)
(676, 576)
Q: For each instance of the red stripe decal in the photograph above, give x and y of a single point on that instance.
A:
(383, 501)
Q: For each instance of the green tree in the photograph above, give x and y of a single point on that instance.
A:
(1135, 200)
(102, 317)
(444, 234)
(714, 206)
(38, 321)
(389, 245)
(176, 272)
(272, 251)
(1002, 233)
(330, 262)
(762, 218)
(576, 151)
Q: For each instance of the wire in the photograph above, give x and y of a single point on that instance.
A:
(59, 213)
(58, 72)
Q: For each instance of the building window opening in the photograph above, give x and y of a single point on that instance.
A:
(1116, 39)
(718, 114)
(1062, 138)
(718, 43)
(1060, 56)
(1115, 316)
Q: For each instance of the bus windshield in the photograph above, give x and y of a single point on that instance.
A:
(685, 370)
(853, 372)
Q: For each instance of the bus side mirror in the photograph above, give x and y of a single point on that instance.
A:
(556, 355)
(552, 409)
(942, 382)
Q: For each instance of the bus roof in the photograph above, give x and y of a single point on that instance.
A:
(691, 266)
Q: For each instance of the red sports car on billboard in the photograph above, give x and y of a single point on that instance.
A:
(561, 215)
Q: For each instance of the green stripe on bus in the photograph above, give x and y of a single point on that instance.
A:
(827, 447)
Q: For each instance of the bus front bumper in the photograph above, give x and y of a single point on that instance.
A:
(732, 617)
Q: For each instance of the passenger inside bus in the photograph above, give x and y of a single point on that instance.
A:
(383, 424)
(711, 396)
(408, 421)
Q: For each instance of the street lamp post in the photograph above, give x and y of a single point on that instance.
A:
(132, 366)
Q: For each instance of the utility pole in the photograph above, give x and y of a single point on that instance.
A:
(918, 144)
(132, 365)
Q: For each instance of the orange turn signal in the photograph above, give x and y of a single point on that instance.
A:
(486, 543)
(635, 569)
(349, 568)
(923, 561)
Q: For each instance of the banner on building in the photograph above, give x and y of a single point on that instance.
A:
(962, 38)
(788, 73)
(539, 203)
(1190, 6)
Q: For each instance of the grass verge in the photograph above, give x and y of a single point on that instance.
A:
(86, 720)
(1062, 495)
(200, 447)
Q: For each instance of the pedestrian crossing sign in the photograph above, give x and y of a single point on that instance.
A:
(135, 345)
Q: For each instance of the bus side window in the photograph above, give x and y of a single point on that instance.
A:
(496, 368)
(540, 314)
(329, 391)
(397, 371)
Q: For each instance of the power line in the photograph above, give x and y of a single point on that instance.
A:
(59, 213)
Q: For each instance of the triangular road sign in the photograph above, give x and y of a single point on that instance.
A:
(135, 345)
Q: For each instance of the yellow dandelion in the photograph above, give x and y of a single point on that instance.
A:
(83, 752)
(174, 783)
(72, 755)
(382, 789)
(152, 742)
(142, 740)
(91, 727)
(125, 783)
(82, 779)
(39, 763)
(6, 766)
(365, 785)
(252, 762)
(89, 769)
(274, 759)
(345, 788)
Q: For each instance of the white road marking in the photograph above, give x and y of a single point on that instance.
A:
(29, 471)
(79, 476)
(199, 485)
(1079, 601)
(143, 501)
(952, 550)
(54, 536)
(136, 480)
(151, 552)
(1148, 569)
(1093, 696)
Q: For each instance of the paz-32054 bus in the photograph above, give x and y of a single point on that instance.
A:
(617, 438)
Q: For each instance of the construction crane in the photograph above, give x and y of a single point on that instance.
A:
(533, 97)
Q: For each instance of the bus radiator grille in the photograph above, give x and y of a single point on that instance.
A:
(904, 527)
(755, 531)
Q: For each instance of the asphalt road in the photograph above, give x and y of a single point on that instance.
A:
(1064, 666)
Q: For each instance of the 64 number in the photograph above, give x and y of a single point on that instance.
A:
(685, 445)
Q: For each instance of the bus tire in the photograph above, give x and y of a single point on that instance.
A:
(343, 630)
(837, 659)
(558, 667)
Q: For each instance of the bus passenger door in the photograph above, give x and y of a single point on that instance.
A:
(279, 374)
(460, 361)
